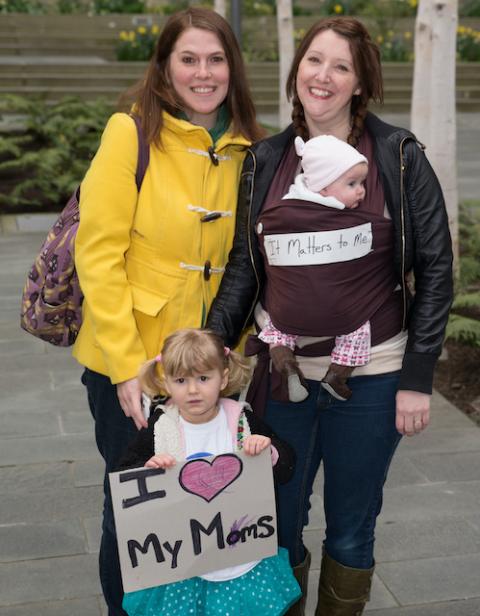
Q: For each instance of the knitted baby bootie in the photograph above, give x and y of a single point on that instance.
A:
(335, 381)
(285, 364)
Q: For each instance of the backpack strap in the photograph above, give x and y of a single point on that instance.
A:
(143, 152)
(143, 156)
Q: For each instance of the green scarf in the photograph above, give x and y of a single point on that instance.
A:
(221, 125)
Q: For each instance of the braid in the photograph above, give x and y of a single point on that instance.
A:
(357, 124)
(298, 119)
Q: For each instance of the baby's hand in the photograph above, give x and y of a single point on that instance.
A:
(255, 444)
(162, 460)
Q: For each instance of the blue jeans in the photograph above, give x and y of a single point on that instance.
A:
(113, 433)
(356, 441)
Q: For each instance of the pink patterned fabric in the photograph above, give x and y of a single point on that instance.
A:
(271, 335)
(353, 349)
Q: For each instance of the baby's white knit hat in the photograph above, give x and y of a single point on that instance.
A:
(325, 158)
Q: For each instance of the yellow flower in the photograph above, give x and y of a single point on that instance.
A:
(390, 33)
(141, 30)
(123, 35)
(338, 8)
(461, 29)
(155, 29)
(407, 35)
(379, 39)
(413, 3)
(131, 35)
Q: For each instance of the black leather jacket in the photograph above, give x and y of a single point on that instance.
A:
(422, 245)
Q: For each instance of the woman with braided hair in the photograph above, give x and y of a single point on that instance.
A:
(325, 283)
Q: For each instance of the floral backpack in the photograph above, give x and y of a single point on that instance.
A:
(52, 299)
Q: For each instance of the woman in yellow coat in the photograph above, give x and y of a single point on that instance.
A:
(151, 262)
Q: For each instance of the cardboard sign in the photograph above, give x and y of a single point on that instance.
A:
(319, 247)
(202, 515)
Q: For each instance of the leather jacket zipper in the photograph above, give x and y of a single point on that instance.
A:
(250, 249)
(402, 220)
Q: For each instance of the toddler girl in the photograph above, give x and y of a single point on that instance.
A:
(193, 370)
(333, 175)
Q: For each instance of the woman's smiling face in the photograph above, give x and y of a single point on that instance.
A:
(199, 73)
(326, 81)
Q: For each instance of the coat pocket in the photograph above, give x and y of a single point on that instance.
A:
(147, 302)
(149, 310)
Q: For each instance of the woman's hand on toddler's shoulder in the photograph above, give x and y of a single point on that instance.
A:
(162, 460)
(255, 444)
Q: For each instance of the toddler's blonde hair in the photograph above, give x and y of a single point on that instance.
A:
(193, 351)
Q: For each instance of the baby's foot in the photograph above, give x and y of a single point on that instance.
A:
(285, 364)
(335, 381)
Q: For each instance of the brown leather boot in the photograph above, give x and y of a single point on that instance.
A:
(285, 364)
(335, 381)
(343, 591)
(301, 575)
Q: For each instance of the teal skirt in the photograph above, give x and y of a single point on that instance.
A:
(268, 589)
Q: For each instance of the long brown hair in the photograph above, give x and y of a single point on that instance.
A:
(366, 62)
(154, 93)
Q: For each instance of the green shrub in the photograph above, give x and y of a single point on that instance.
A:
(469, 245)
(137, 45)
(468, 44)
(256, 49)
(396, 8)
(469, 8)
(393, 8)
(102, 7)
(33, 7)
(395, 46)
(464, 322)
(298, 10)
(67, 7)
(344, 7)
(179, 5)
(464, 328)
(250, 8)
(50, 156)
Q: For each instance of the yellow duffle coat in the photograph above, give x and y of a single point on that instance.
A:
(147, 264)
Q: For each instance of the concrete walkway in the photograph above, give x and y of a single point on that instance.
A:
(428, 538)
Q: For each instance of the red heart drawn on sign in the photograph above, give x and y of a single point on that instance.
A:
(207, 479)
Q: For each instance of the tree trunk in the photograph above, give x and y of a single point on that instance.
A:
(420, 113)
(443, 130)
(220, 6)
(285, 52)
(433, 117)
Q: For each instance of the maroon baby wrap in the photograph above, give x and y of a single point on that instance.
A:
(331, 298)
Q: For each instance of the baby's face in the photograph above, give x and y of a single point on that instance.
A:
(349, 188)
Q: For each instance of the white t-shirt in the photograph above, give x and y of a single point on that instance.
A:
(211, 439)
(207, 439)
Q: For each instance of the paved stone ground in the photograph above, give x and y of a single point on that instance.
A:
(428, 537)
